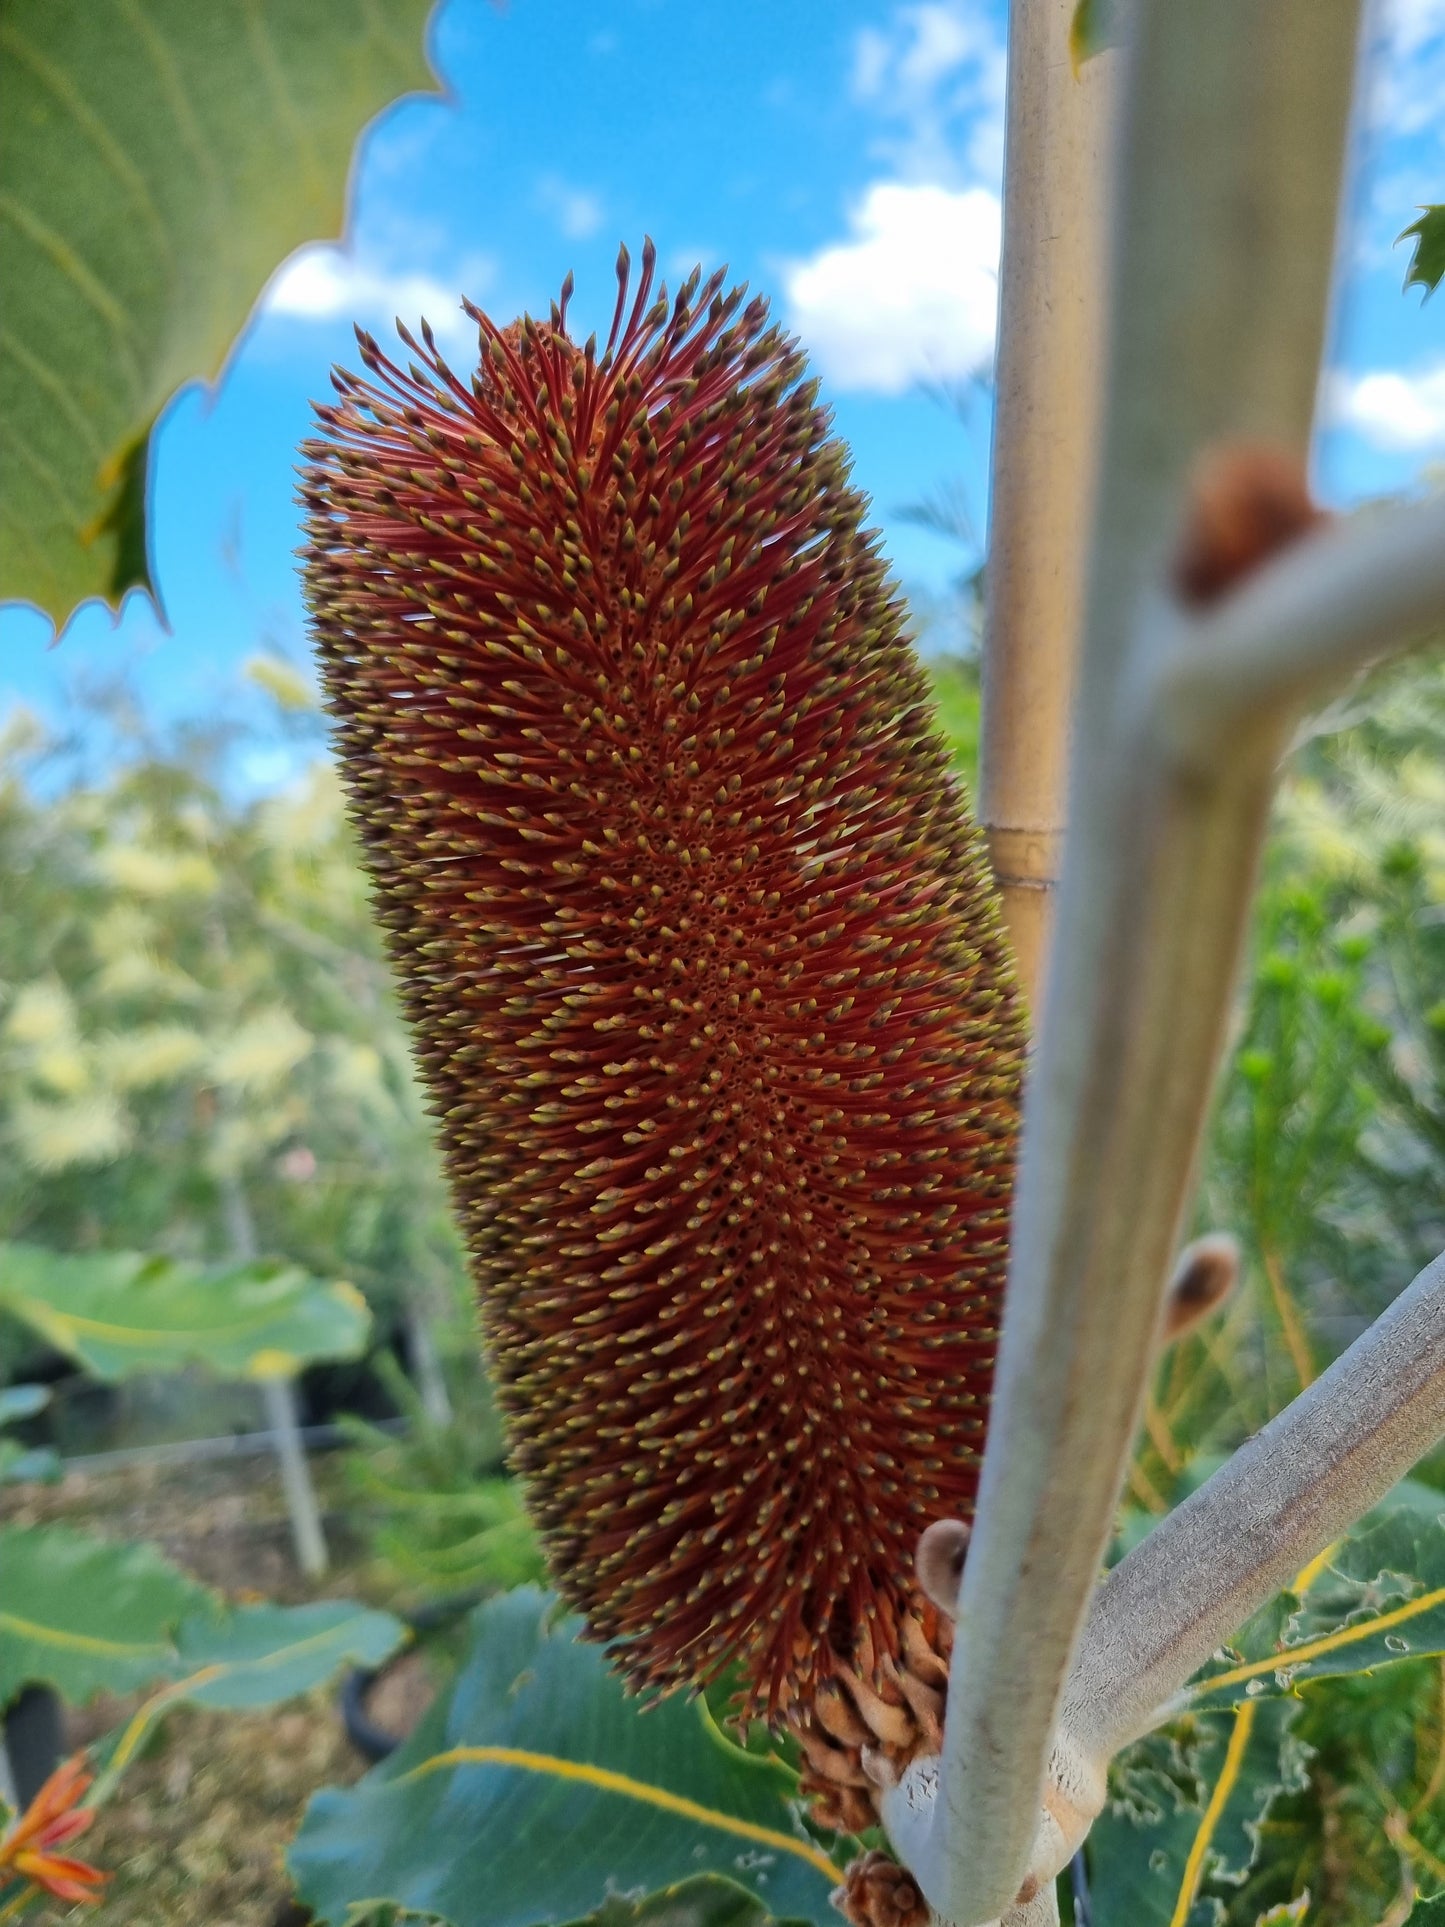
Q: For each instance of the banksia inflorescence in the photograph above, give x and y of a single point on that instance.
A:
(706, 977)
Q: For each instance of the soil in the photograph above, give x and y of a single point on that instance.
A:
(224, 1520)
(196, 1833)
(401, 1694)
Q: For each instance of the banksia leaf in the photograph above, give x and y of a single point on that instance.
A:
(705, 971)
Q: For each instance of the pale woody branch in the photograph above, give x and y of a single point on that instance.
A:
(1231, 156)
(1279, 1502)
(1165, 1610)
(1358, 590)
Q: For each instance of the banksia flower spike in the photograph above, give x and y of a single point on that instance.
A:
(706, 976)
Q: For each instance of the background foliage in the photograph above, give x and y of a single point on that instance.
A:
(200, 1059)
(193, 1003)
(194, 1008)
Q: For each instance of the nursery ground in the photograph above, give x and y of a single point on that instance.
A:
(196, 1834)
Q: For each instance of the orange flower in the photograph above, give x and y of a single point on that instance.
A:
(53, 1819)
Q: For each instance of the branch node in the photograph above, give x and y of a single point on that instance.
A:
(1245, 502)
(1205, 1275)
(942, 1549)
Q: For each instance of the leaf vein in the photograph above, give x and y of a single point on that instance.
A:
(58, 389)
(605, 1780)
(273, 72)
(1218, 1800)
(63, 257)
(43, 472)
(1290, 1657)
(64, 91)
(80, 1642)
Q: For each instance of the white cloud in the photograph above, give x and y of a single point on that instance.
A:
(1411, 23)
(326, 283)
(577, 212)
(1390, 408)
(1406, 72)
(943, 38)
(872, 55)
(911, 297)
(935, 78)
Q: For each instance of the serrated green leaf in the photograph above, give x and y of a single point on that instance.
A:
(158, 160)
(1096, 25)
(1379, 1598)
(257, 1655)
(254, 1656)
(1427, 263)
(86, 1616)
(1428, 1913)
(538, 1743)
(1185, 1808)
(118, 1313)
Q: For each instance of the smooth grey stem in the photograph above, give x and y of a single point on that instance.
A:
(1278, 1503)
(1235, 126)
(278, 1399)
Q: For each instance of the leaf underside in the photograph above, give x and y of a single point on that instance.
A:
(158, 160)
(1190, 1805)
(1186, 1805)
(1377, 1600)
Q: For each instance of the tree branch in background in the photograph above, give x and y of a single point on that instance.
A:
(278, 1401)
(1046, 420)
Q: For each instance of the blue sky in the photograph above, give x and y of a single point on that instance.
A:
(842, 156)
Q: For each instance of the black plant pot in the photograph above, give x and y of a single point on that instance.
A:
(34, 1737)
(371, 1741)
(374, 1742)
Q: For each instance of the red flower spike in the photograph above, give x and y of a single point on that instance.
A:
(53, 1819)
(705, 969)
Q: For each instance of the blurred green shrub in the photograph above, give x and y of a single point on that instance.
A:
(193, 1000)
(432, 1501)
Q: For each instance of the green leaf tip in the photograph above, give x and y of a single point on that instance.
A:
(1427, 263)
(1096, 26)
